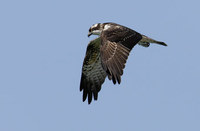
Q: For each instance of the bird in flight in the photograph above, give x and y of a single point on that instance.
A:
(107, 55)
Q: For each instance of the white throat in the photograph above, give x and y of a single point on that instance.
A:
(96, 32)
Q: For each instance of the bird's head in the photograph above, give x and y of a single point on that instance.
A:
(96, 29)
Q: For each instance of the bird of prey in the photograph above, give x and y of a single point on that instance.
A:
(107, 56)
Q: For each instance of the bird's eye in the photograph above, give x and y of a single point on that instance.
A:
(90, 30)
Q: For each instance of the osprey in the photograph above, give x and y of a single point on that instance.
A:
(107, 56)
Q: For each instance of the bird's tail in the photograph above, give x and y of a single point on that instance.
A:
(146, 39)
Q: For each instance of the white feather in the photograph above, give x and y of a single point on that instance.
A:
(95, 25)
(106, 27)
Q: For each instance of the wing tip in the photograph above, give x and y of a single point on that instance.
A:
(89, 94)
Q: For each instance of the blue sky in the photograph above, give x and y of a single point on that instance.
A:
(42, 47)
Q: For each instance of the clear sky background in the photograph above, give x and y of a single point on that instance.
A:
(42, 47)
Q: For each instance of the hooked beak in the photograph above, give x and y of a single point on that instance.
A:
(89, 34)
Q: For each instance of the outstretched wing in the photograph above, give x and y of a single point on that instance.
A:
(93, 74)
(117, 42)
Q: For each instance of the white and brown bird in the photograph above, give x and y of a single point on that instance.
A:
(107, 56)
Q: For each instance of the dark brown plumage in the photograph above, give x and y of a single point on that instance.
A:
(93, 75)
(107, 56)
(117, 42)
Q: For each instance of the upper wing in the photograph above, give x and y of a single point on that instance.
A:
(116, 45)
(93, 74)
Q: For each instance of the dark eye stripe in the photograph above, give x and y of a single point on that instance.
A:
(98, 26)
